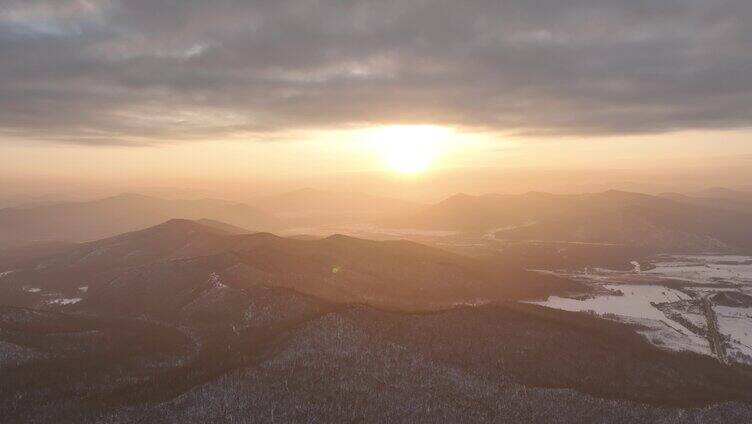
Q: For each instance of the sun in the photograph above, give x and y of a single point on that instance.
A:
(409, 149)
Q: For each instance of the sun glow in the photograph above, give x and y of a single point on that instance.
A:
(410, 148)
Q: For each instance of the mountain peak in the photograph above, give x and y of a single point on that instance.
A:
(339, 237)
(176, 225)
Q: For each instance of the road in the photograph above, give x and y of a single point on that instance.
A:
(714, 336)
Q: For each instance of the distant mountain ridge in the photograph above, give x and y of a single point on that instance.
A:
(312, 207)
(489, 211)
(321, 201)
(719, 198)
(668, 222)
(654, 222)
(82, 221)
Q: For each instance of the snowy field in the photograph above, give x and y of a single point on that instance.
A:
(728, 270)
(737, 324)
(666, 299)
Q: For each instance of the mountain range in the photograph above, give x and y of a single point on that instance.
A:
(392, 274)
(192, 321)
(655, 223)
(82, 221)
(312, 207)
(91, 220)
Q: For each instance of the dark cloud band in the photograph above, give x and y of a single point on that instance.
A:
(145, 71)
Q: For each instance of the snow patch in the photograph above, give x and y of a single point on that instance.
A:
(64, 301)
(472, 303)
(637, 266)
(635, 302)
(215, 281)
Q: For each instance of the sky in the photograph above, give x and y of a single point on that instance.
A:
(418, 96)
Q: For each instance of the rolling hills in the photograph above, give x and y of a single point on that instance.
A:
(652, 223)
(398, 274)
(190, 321)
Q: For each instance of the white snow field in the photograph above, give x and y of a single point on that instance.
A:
(666, 300)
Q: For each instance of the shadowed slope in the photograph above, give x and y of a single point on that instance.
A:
(396, 274)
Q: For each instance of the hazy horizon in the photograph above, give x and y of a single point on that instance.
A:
(426, 187)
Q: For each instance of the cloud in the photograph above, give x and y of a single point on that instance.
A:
(148, 71)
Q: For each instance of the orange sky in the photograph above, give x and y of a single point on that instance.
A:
(478, 162)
